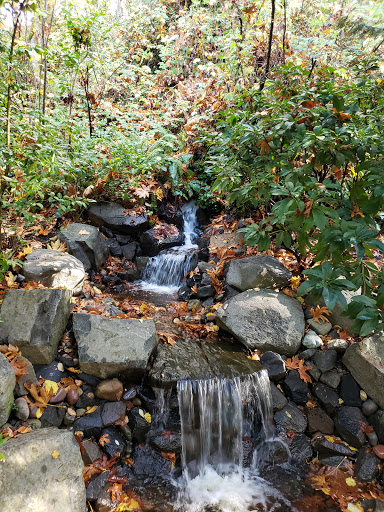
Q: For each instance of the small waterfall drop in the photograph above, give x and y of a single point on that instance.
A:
(165, 271)
(221, 422)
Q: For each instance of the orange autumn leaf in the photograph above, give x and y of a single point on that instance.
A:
(19, 367)
(104, 439)
(264, 146)
(319, 313)
(167, 337)
(117, 493)
(298, 364)
(169, 456)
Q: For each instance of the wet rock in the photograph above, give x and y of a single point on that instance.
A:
(312, 340)
(147, 396)
(129, 250)
(369, 407)
(34, 321)
(339, 345)
(111, 390)
(274, 364)
(141, 262)
(300, 448)
(295, 388)
(108, 346)
(291, 418)
(373, 439)
(205, 292)
(90, 380)
(54, 269)
(138, 424)
(112, 411)
(321, 328)
(325, 360)
(39, 481)
(324, 446)
(307, 354)
(52, 416)
(266, 320)
(331, 379)
(150, 464)
(113, 216)
(287, 480)
(22, 412)
(365, 361)
(91, 452)
(190, 360)
(367, 466)
(90, 424)
(313, 370)
(171, 443)
(152, 246)
(278, 398)
(377, 422)
(350, 391)
(336, 461)
(104, 501)
(53, 371)
(117, 443)
(7, 385)
(130, 393)
(86, 244)
(328, 397)
(259, 271)
(87, 399)
(96, 486)
(29, 377)
(319, 421)
(185, 293)
(114, 248)
(348, 422)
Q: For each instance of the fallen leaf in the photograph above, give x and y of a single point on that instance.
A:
(318, 314)
(55, 454)
(298, 364)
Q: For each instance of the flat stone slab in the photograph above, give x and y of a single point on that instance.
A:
(34, 321)
(264, 319)
(227, 240)
(112, 346)
(7, 385)
(260, 271)
(365, 361)
(86, 243)
(194, 360)
(32, 479)
(54, 269)
(113, 216)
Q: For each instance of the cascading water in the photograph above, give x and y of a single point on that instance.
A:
(221, 419)
(165, 271)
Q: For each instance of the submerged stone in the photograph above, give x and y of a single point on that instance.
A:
(193, 360)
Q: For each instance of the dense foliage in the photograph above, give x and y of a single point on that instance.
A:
(273, 113)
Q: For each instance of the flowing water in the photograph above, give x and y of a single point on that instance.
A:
(227, 436)
(163, 273)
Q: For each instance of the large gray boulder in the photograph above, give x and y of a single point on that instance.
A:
(86, 243)
(113, 216)
(260, 271)
(34, 321)
(111, 346)
(365, 361)
(42, 472)
(191, 360)
(7, 385)
(54, 269)
(265, 319)
(227, 240)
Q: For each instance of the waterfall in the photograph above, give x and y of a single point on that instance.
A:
(167, 269)
(221, 422)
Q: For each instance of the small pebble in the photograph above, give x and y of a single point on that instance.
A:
(312, 340)
(339, 345)
(72, 396)
(136, 402)
(59, 397)
(80, 412)
(373, 439)
(23, 410)
(363, 395)
(369, 407)
(379, 451)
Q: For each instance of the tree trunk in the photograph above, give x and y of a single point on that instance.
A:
(268, 63)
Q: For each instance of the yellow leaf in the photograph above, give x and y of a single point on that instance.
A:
(57, 245)
(39, 412)
(10, 280)
(84, 232)
(147, 417)
(159, 194)
(55, 454)
(51, 386)
(351, 482)
(92, 409)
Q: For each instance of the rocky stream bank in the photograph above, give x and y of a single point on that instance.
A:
(90, 393)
